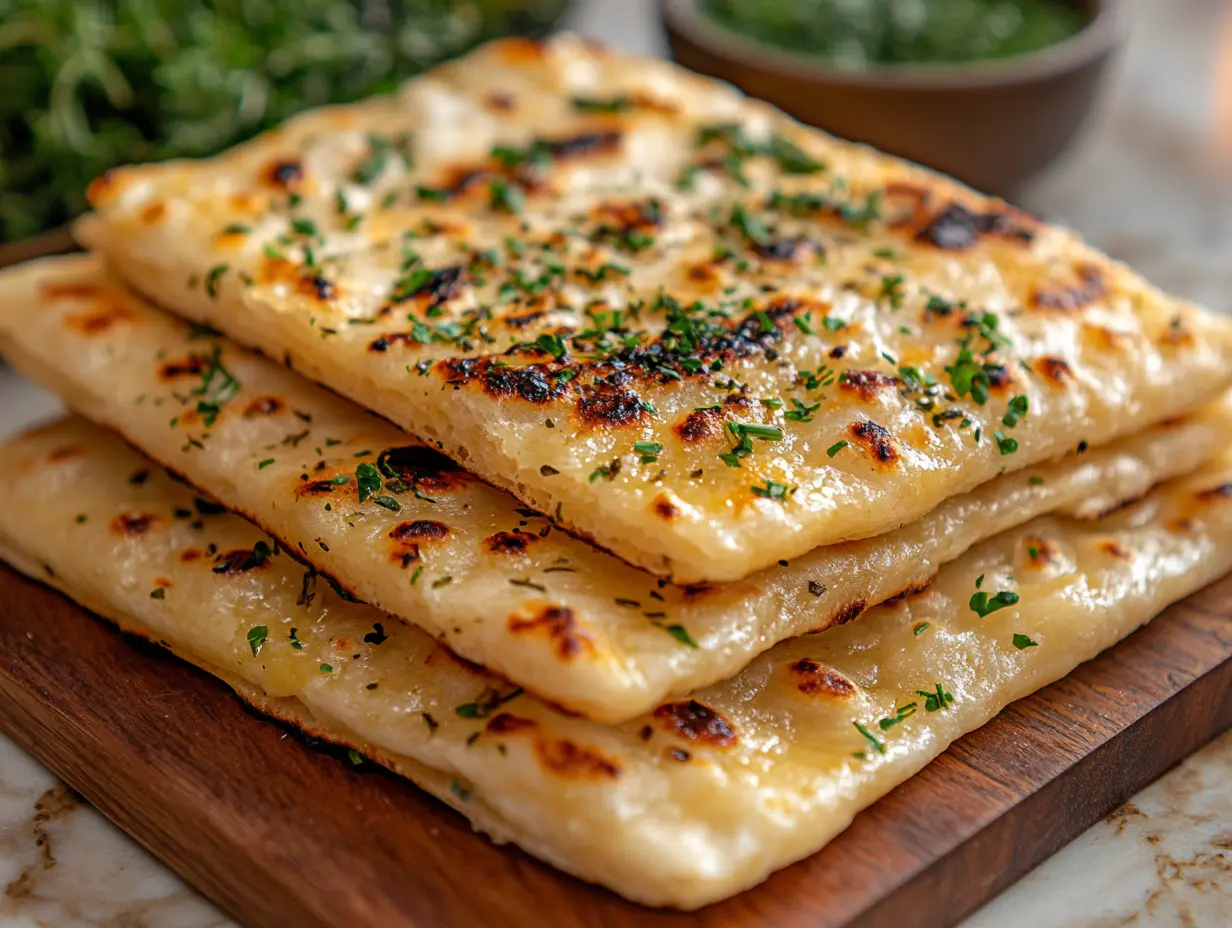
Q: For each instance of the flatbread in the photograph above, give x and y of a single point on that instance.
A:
(693, 802)
(698, 332)
(464, 561)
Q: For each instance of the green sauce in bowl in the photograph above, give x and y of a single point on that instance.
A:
(860, 34)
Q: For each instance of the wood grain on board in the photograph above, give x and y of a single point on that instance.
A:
(280, 833)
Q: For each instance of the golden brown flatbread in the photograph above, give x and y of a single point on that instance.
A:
(690, 803)
(700, 333)
(499, 583)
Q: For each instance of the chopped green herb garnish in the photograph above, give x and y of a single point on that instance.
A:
(870, 738)
(487, 702)
(1017, 410)
(649, 450)
(615, 104)
(902, 712)
(212, 278)
(764, 432)
(305, 227)
(969, 377)
(367, 481)
(681, 634)
(836, 448)
(606, 471)
(772, 490)
(801, 412)
(1004, 444)
(892, 290)
(506, 196)
(983, 605)
(256, 638)
(1022, 642)
(552, 344)
(216, 388)
(937, 700)
(791, 159)
(371, 167)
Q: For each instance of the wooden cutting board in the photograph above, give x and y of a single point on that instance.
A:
(279, 832)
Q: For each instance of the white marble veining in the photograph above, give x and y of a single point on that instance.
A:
(1163, 859)
(62, 864)
(1152, 184)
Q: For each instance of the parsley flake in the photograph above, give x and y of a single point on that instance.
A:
(984, 605)
(681, 634)
(256, 638)
(870, 738)
(367, 481)
(649, 450)
(901, 713)
(937, 700)
(772, 490)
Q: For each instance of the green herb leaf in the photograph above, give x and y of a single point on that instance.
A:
(649, 450)
(212, 279)
(681, 634)
(1017, 410)
(256, 638)
(367, 481)
(506, 196)
(615, 104)
(801, 412)
(487, 702)
(1004, 444)
(937, 699)
(902, 712)
(1022, 642)
(869, 738)
(772, 490)
(983, 605)
(551, 344)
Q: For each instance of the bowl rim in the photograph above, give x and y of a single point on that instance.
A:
(1105, 31)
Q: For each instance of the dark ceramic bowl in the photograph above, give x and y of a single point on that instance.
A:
(993, 124)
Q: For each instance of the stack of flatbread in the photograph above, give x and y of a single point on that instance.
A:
(750, 467)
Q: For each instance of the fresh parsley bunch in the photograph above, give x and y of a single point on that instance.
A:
(90, 84)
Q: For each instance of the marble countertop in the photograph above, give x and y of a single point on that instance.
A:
(1151, 183)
